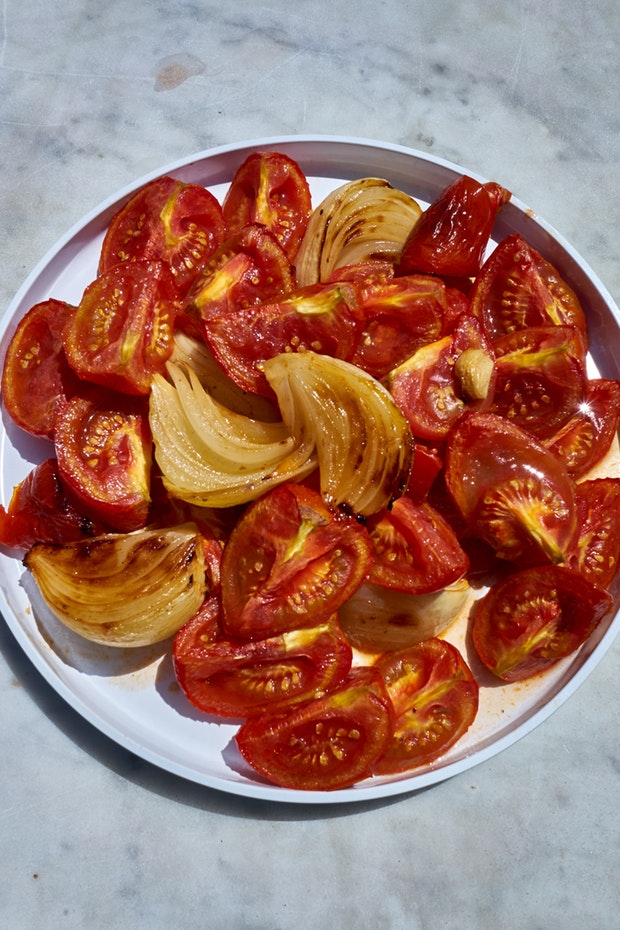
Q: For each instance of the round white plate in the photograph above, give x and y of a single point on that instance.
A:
(131, 695)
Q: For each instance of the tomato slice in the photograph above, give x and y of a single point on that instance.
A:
(168, 220)
(584, 440)
(322, 318)
(290, 563)
(239, 678)
(517, 288)
(450, 237)
(122, 332)
(103, 447)
(435, 698)
(400, 317)
(36, 377)
(540, 377)
(511, 491)
(444, 379)
(533, 618)
(251, 267)
(40, 511)
(270, 188)
(597, 552)
(368, 276)
(329, 743)
(415, 549)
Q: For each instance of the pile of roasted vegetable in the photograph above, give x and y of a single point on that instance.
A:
(299, 441)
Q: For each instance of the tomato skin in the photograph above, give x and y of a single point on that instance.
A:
(330, 743)
(597, 551)
(540, 377)
(249, 268)
(180, 224)
(435, 698)
(40, 511)
(400, 317)
(290, 563)
(510, 490)
(415, 549)
(245, 678)
(451, 235)
(324, 318)
(517, 288)
(584, 440)
(271, 189)
(36, 376)
(103, 446)
(122, 331)
(533, 618)
(427, 387)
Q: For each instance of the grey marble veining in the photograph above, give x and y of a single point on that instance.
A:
(92, 96)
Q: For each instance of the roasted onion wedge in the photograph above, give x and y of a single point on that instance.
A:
(360, 220)
(363, 442)
(130, 589)
(213, 457)
(377, 619)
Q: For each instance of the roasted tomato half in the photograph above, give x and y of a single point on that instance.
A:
(270, 188)
(415, 549)
(36, 377)
(533, 618)
(586, 438)
(329, 743)
(290, 563)
(435, 698)
(251, 267)
(122, 331)
(517, 288)
(324, 318)
(451, 236)
(444, 379)
(103, 447)
(40, 511)
(230, 677)
(540, 377)
(511, 491)
(168, 220)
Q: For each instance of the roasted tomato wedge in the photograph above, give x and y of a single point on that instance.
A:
(444, 379)
(597, 552)
(517, 288)
(399, 317)
(324, 318)
(40, 511)
(531, 619)
(511, 491)
(540, 377)
(415, 549)
(329, 743)
(368, 276)
(180, 224)
(428, 462)
(251, 267)
(36, 376)
(435, 698)
(103, 448)
(289, 563)
(451, 235)
(244, 678)
(586, 438)
(122, 332)
(271, 189)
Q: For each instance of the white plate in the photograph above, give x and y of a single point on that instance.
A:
(131, 696)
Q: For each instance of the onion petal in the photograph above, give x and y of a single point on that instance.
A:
(363, 442)
(127, 589)
(360, 220)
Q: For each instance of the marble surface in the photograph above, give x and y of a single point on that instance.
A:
(524, 93)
